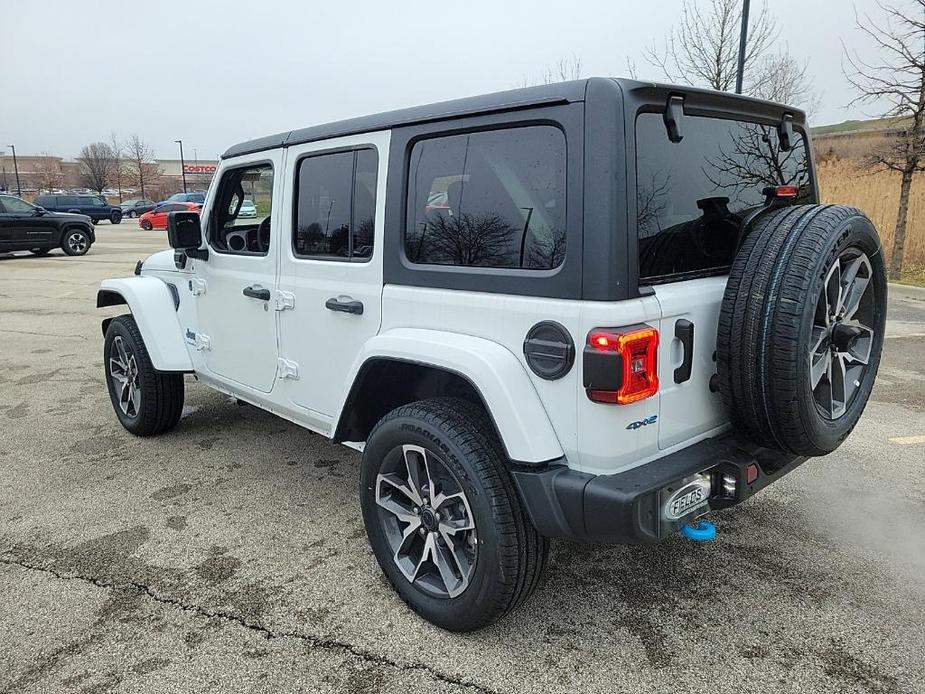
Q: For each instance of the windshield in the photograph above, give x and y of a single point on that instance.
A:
(692, 195)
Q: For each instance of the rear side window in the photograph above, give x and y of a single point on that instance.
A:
(336, 205)
(691, 196)
(488, 199)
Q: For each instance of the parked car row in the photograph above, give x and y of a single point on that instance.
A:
(93, 206)
(150, 214)
(28, 227)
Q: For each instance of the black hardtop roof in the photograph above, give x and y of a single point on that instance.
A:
(512, 100)
(563, 92)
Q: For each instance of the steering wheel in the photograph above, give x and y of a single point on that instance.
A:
(263, 235)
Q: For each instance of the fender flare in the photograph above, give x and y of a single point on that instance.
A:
(497, 375)
(154, 308)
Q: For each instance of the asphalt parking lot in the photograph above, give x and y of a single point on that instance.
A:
(230, 555)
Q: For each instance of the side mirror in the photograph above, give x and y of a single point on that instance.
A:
(39, 211)
(184, 233)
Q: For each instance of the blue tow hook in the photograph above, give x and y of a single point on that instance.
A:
(700, 531)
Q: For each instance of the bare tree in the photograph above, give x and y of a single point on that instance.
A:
(563, 70)
(896, 77)
(48, 172)
(782, 78)
(98, 165)
(703, 49)
(140, 162)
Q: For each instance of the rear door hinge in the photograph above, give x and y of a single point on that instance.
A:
(284, 300)
(287, 369)
(198, 340)
(197, 286)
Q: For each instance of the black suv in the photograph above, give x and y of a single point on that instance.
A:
(25, 227)
(94, 206)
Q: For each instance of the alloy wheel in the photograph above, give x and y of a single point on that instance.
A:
(427, 521)
(841, 340)
(123, 368)
(77, 242)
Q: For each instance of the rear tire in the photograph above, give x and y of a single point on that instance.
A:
(801, 327)
(503, 553)
(75, 242)
(146, 401)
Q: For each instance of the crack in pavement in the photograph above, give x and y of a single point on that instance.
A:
(267, 633)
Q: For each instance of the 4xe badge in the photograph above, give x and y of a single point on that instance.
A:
(632, 426)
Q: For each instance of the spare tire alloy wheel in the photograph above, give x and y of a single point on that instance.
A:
(427, 521)
(123, 368)
(801, 327)
(842, 336)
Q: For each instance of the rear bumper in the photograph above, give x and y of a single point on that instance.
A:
(627, 508)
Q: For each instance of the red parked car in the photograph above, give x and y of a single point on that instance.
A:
(157, 218)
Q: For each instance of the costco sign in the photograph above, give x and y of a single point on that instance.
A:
(199, 168)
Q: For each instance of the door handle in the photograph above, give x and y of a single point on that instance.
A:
(256, 292)
(344, 304)
(684, 331)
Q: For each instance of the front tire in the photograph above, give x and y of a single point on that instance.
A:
(443, 518)
(131, 214)
(146, 401)
(75, 242)
(146, 225)
(116, 218)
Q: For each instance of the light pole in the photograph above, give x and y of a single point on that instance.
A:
(743, 37)
(182, 163)
(16, 169)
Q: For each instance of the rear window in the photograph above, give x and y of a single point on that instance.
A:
(492, 199)
(692, 195)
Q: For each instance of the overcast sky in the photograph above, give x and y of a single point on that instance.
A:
(215, 73)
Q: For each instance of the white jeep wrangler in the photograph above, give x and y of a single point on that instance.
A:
(595, 310)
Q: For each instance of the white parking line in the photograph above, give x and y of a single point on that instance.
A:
(909, 440)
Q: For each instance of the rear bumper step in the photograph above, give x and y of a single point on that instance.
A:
(629, 507)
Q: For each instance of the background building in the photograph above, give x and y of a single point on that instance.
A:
(45, 172)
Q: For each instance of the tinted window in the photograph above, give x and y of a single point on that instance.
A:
(67, 201)
(16, 206)
(692, 195)
(488, 199)
(45, 201)
(336, 205)
(94, 202)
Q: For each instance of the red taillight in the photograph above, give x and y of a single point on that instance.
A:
(786, 191)
(636, 356)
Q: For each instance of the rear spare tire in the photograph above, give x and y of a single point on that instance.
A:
(801, 327)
